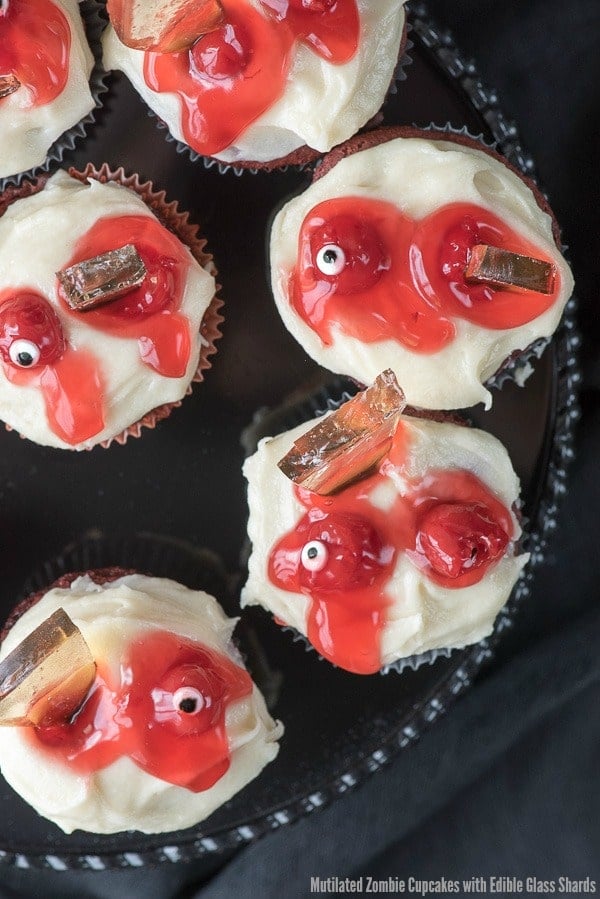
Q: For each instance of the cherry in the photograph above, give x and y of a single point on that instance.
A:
(460, 537)
(30, 331)
(221, 55)
(189, 698)
(454, 256)
(346, 251)
(329, 552)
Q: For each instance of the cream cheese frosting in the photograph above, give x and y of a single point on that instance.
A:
(27, 130)
(122, 796)
(422, 615)
(37, 238)
(419, 176)
(322, 105)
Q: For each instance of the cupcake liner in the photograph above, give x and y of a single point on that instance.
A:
(176, 221)
(92, 13)
(304, 157)
(330, 396)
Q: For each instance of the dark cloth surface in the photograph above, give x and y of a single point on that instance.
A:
(508, 782)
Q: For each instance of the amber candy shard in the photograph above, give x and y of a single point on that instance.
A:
(47, 676)
(164, 26)
(8, 85)
(103, 278)
(347, 444)
(501, 268)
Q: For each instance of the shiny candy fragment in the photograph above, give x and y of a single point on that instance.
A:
(103, 278)
(47, 676)
(501, 268)
(347, 444)
(8, 85)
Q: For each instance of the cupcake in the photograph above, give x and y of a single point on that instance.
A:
(273, 82)
(420, 251)
(107, 308)
(380, 536)
(45, 69)
(131, 708)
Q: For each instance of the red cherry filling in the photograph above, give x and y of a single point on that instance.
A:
(329, 552)
(347, 252)
(189, 699)
(166, 711)
(30, 331)
(222, 54)
(460, 537)
(313, 5)
(454, 255)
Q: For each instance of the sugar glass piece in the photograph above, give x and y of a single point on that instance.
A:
(8, 85)
(166, 26)
(104, 278)
(47, 676)
(347, 444)
(501, 268)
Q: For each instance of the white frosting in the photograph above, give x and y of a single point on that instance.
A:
(37, 239)
(420, 176)
(27, 132)
(123, 796)
(322, 105)
(422, 614)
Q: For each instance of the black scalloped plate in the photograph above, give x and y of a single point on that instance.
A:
(184, 480)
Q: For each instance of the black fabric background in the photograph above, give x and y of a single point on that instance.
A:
(508, 783)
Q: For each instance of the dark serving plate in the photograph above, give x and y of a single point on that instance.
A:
(183, 482)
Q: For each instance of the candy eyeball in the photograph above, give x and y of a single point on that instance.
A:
(314, 555)
(188, 700)
(24, 353)
(331, 260)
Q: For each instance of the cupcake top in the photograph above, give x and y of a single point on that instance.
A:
(369, 265)
(71, 378)
(418, 554)
(272, 78)
(196, 728)
(45, 65)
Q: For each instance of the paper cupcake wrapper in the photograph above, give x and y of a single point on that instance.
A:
(176, 221)
(92, 12)
(269, 423)
(302, 158)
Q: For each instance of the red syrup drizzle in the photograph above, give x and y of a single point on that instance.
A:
(70, 380)
(402, 279)
(434, 521)
(150, 312)
(144, 716)
(231, 76)
(35, 43)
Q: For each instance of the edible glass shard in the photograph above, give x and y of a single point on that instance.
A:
(501, 268)
(104, 278)
(47, 676)
(165, 26)
(8, 85)
(347, 444)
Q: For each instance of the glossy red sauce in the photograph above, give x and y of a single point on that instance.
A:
(35, 43)
(139, 716)
(449, 524)
(403, 279)
(70, 380)
(232, 75)
(150, 312)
